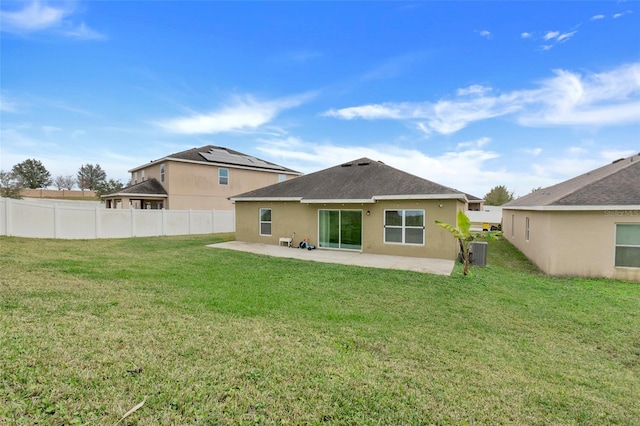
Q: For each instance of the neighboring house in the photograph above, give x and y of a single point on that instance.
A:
(197, 179)
(585, 226)
(475, 204)
(362, 205)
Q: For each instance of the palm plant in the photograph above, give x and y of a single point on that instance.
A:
(465, 236)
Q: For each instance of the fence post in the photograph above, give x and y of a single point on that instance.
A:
(163, 225)
(189, 221)
(7, 216)
(133, 231)
(97, 224)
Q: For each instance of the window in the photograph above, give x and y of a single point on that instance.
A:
(223, 176)
(161, 172)
(265, 221)
(628, 245)
(282, 178)
(142, 177)
(513, 228)
(526, 229)
(404, 226)
(135, 177)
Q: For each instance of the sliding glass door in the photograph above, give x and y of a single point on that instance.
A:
(340, 229)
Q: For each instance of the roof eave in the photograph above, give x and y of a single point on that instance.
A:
(575, 208)
(131, 194)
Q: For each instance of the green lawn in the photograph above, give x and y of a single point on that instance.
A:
(89, 329)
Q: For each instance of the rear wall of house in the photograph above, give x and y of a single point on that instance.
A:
(302, 219)
(578, 243)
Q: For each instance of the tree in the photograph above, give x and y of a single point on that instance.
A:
(463, 234)
(107, 187)
(498, 196)
(32, 174)
(90, 176)
(65, 182)
(10, 186)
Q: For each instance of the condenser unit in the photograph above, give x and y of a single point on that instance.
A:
(478, 253)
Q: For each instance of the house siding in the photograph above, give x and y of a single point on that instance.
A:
(302, 218)
(576, 243)
(195, 186)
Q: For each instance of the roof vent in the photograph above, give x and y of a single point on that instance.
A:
(346, 165)
(364, 163)
(617, 161)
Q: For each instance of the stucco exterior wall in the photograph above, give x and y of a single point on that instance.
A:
(195, 186)
(301, 218)
(577, 243)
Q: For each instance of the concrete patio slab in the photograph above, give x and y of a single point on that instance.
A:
(417, 264)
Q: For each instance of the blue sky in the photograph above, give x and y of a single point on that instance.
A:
(467, 94)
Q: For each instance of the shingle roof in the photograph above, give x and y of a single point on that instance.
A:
(211, 154)
(362, 179)
(147, 187)
(616, 184)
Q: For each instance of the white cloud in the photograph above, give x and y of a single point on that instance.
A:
(370, 112)
(619, 15)
(566, 36)
(597, 17)
(244, 113)
(33, 17)
(83, 32)
(486, 34)
(39, 16)
(474, 89)
(568, 98)
(551, 35)
(526, 35)
(534, 151)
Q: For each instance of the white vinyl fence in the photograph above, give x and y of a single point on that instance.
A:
(22, 218)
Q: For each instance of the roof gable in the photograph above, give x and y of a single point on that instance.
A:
(147, 187)
(362, 179)
(616, 184)
(211, 154)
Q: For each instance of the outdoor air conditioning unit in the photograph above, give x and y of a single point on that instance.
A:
(478, 253)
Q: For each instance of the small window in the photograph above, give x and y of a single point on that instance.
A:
(404, 226)
(142, 177)
(513, 225)
(161, 172)
(628, 245)
(526, 229)
(135, 177)
(265, 221)
(282, 178)
(223, 176)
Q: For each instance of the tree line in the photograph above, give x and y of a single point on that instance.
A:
(32, 174)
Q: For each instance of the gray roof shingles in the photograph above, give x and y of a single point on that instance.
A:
(147, 187)
(361, 179)
(616, 184)
(196, 155)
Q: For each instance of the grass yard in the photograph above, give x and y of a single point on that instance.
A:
(90, 329)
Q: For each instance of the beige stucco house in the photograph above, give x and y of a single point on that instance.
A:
(363, 205)
(198, 179)
(585, 226)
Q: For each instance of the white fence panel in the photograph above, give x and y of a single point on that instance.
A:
(26, 219)
(147, 223)
(75, 223)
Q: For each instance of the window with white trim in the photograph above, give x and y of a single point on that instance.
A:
(282, 178)
(161, 172)
(135, 177)
(223, 176)
(404, 227)
(142, 175)
(513, 226)
(526, 229)
(628, 245)
(265, 221)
